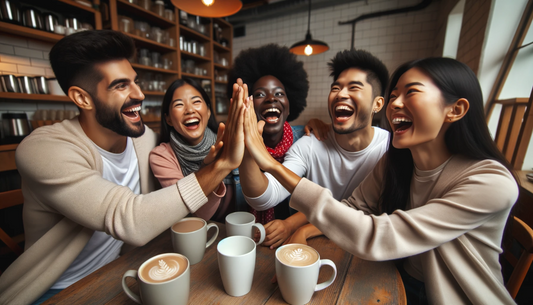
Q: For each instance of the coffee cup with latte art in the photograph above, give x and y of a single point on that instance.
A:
(163, 280)
(189, 238)
(242, 224)
(297, 269)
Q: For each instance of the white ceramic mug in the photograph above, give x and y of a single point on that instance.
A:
(189, 237)
(163, 280)
(242, 224)
(236, 261)
(297, 269)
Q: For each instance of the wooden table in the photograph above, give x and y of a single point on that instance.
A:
(358, 281)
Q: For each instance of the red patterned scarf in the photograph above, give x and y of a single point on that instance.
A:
(283, 146)
(277, 153)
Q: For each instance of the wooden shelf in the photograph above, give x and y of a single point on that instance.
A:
(79, 5)
(222, 22)
(161, 70)
(221, 82)
(220, 47)
(195, 56)
(154, 93)
(29, 32)
(153, 45)
(219, 66)
(145, 15)
(186, 31)
(34, 97)
(196, 76)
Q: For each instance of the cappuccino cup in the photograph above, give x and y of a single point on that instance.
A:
(163, 280)
(236, 262)
(297, 269)
(189, 238)
(242, 224)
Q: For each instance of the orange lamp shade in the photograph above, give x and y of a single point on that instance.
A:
(209, 8)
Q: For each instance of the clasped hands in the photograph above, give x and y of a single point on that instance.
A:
(241, 131)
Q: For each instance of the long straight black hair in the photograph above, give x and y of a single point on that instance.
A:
(164, 135)
(469, 136)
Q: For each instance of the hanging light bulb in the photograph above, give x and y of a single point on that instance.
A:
(309, 46)
(209, 8)
(308, 50)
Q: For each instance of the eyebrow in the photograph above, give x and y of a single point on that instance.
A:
(409, 85)
(179, 99)
(118, 81)
(350, 83)
(264, 88)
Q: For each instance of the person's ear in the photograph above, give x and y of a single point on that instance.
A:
(80, 97)
(458, 110)
(168, 120)
(377, 104)
(208, 112)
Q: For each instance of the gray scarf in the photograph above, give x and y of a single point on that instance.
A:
(191, 157)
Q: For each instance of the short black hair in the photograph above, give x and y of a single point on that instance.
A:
(272, 59)
(377, 73)
(73, 57)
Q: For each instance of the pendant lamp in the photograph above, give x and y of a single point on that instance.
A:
(209, 8)
(309, 46)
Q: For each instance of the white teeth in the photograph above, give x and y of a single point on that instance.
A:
(271, 110)
(195, 120)
(401, 120)
(343, 107)
(138, 108)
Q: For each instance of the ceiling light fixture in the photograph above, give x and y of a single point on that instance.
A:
(209, 8)
(309, 46)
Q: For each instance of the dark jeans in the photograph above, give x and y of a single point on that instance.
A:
(415, 290)
(50, 293)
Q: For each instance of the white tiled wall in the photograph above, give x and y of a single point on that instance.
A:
(394, 39)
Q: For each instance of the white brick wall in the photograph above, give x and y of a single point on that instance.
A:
(394, 39)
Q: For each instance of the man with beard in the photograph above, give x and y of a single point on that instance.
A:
(86, 182)
(342, 160)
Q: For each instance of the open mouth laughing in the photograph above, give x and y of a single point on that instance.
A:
(132, 112)
(343, 112)
(191, 123)
(271, 115)
(401, 124)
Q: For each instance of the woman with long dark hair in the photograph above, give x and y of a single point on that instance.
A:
(188, 140)
(438, 199)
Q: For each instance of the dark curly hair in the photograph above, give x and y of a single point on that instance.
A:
(272, 59)
(377, 73)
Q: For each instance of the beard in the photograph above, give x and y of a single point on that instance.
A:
(114, 121)
(360, 122)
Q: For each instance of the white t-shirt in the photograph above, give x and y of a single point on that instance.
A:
(326, 164)
(122, 169)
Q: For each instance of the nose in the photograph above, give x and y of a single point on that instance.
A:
(271, 97)
(136, 92)
(397, 103)
(343, 94)
(189, 108)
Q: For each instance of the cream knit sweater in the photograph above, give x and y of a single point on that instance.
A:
(456, 234)
(66, 200)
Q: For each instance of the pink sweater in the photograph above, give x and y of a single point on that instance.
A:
(167, 170)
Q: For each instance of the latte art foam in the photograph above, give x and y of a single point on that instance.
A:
(297, 255)
(164, 271)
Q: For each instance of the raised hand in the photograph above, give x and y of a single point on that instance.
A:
(233, 139)
(215, 149)
(318, 128)
(253, 139)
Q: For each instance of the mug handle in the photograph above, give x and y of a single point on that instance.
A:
(212, 239)
(330, 281)
(133, 296)
(261, 231)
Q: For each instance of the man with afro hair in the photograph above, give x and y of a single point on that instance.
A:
(278, 84)
(349, 151)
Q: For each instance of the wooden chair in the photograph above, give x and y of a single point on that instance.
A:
(10, 198)
(523, 235)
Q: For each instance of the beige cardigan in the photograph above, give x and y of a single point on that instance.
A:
(66, 200)
(457, 233)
